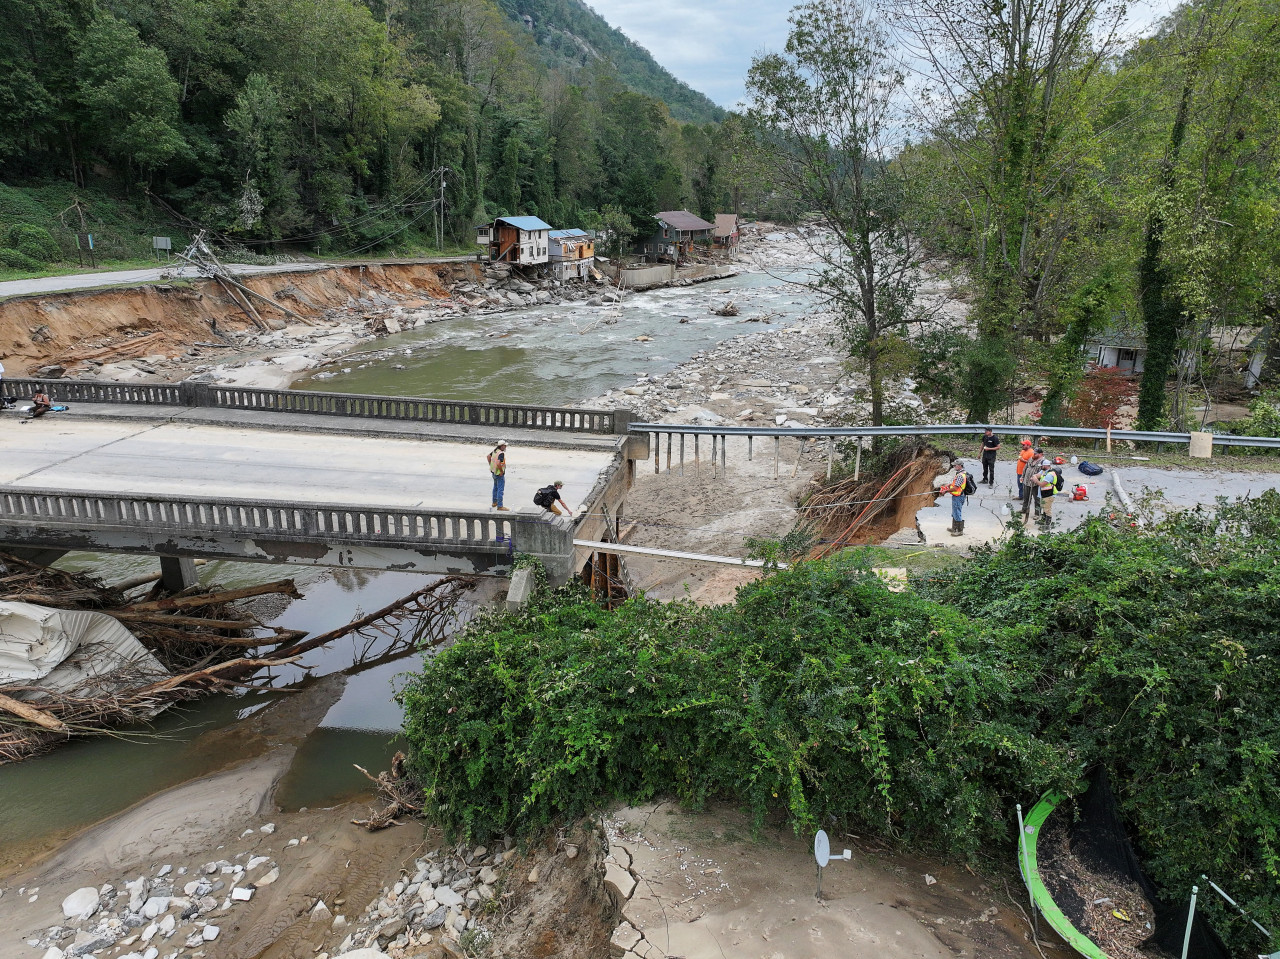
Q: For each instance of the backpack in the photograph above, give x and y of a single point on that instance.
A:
(545, 496)
(1090, 469)
(970, 487)
(1058, 481)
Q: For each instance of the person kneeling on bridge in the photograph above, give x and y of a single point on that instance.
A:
(40, 404)
(549, 496)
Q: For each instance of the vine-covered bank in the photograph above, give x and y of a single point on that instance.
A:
(924, 715)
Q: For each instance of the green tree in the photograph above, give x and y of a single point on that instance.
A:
(129, 98)
(826, 109)
(1008, 100)
(1209, 252)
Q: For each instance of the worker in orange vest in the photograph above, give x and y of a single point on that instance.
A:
(1025, 457)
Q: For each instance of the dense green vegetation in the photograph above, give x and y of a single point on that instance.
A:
(1073, 178)
(335, 126)
(1062, 168)
(923, 716)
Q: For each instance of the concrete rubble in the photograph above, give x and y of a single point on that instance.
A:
(177, 910)
(174, 912)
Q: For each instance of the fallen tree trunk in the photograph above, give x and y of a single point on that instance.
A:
(32, 715)
(285, 586)
(129, 615)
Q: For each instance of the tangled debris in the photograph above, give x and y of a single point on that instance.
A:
(1111, 911)
(845, 510)
(200, 638)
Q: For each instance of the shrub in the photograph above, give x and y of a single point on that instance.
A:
(818, 694)
(35, 242)
(16, 260)
(1158, 648)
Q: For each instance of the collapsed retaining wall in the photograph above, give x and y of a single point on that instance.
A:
(167, 318)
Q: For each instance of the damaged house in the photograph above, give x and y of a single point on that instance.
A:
(674, 236)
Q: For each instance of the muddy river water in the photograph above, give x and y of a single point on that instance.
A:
(559, 355)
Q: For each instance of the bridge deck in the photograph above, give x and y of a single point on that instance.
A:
(304, 459)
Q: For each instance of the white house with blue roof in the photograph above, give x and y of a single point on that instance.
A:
(520, 240)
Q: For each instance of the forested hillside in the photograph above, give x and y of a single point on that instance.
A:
(571, 35)
(337, 126)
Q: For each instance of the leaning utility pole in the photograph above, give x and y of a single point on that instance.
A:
(207, 264)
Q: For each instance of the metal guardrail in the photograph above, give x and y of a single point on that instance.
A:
(355, 405)
(720, 435)
(951, 429)
(330, 523)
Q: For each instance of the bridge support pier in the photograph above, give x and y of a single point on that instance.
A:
(177, 573)
(41, 556)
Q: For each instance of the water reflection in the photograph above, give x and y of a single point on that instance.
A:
(49, 797)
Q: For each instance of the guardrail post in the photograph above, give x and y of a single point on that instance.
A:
(857, 459)
(681, 454)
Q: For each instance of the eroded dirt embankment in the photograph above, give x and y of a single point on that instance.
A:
(78, 330)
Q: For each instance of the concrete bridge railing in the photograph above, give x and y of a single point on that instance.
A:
(281, 532)
(356, 405)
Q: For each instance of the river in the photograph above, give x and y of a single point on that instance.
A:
(555, 355)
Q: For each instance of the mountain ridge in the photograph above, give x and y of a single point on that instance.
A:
(570, 35)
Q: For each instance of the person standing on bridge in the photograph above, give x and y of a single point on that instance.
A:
(498, 467)
(958, 487)
(990, 444)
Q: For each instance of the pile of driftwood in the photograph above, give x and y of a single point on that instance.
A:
(730, 308)
(845, 509)
(202, 638)
(402, 795)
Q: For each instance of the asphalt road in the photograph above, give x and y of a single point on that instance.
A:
(87, 281)
(59, 452)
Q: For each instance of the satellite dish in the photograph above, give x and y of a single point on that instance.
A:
(821, 848)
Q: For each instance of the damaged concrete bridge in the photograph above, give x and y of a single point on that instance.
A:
(286, 476)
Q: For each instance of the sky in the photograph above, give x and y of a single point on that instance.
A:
(709, 43)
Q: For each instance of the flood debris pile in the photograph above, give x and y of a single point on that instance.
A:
(877, 503)
(78, 657)
(1111, 911)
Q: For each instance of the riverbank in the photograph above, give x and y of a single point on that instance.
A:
(289, 321)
